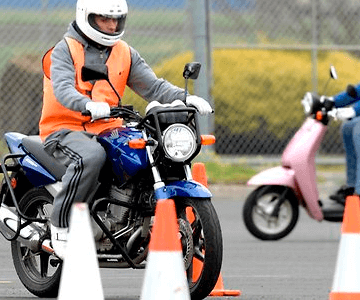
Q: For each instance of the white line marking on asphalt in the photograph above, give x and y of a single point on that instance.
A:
(257, 276)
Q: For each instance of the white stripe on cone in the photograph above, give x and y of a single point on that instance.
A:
(80, 277)
(347, 270)
(165, 277)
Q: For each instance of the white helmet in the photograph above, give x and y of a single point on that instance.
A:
(85, 14)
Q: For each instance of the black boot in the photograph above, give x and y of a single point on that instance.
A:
(342, 193)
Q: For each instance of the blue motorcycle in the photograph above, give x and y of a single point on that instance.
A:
(149, 158)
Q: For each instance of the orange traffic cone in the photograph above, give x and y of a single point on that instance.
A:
(346, 284)
(199, 175)
(165, 271)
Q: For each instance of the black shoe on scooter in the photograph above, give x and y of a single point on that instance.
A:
(342, 193)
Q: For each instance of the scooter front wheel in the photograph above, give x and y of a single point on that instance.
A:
(271, 212)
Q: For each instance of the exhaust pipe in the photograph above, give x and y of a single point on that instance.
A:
(30, 235)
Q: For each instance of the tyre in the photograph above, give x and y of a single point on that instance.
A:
(202, 246)
(260, 218)
(39, 272)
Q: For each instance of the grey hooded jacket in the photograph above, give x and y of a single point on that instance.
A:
(142, 80)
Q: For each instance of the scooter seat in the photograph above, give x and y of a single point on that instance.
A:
(35, 146)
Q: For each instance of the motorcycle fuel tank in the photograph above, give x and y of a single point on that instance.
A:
(126, 162)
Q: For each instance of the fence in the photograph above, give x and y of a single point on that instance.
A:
(264, 56)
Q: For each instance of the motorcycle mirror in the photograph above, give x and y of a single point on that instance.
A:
(94, 72)
(350, 89)
(333, 73)
(192, 70)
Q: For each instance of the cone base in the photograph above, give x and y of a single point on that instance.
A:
(219, 289)
(165, 277)
(344, 296)
(229, 293)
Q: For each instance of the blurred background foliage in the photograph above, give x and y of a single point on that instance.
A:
(241, 93)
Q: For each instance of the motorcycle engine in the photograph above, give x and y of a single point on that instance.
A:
(115, 218)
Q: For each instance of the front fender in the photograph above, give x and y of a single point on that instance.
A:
(275, 176)
(189, 189)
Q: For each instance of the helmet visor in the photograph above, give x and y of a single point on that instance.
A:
(108, 24)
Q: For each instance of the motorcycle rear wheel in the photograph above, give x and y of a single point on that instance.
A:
(39, 272)
(258, 210)
(204, 270)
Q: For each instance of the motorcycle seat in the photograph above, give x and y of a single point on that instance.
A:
(35, 146)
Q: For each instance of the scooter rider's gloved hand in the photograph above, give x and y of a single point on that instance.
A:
(200, 104)
(328, 102)
(345, 113)
(332, 113)
(98, 110)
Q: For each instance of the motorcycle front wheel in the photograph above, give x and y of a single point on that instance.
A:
(271, 212)
(39, 272)
(202, 246)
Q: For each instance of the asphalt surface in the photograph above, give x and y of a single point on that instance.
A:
(301, 266)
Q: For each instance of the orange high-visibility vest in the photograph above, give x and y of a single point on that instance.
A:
(55, 116)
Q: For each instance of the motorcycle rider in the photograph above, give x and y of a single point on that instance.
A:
(94, 37)
(347, 109)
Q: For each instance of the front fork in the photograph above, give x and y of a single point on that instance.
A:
(275, 212)
(158, 183)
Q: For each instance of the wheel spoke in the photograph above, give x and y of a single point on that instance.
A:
(196, 227)
(199, 254)
(44, 264)
(41, 212)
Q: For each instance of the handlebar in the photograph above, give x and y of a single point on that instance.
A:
(125, 112)
(129, 114)
(320, 108)
(86, 113)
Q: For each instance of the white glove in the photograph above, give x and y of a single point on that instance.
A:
(332, 113)
(153, 104)
(345, 113)
(98, 110)
(200, 104)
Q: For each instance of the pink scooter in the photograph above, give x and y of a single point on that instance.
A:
(271, 211)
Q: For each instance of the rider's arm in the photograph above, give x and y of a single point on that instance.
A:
(344, 99)
(356, 107)
(143, 81)
(63, 78)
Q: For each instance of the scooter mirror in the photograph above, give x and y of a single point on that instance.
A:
(94, 72)
(192, 70)
(333, 73)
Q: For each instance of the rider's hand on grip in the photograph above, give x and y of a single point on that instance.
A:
(98, 110)
(332, 113)
(200, 104)
(345, 113)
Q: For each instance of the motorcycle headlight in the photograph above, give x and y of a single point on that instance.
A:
(179, 142)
